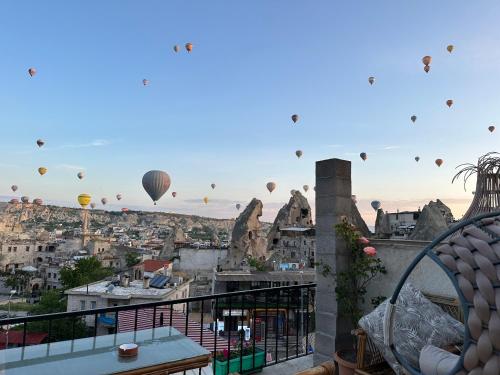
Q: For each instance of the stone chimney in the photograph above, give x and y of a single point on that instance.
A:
(145, 282)
(125, 280)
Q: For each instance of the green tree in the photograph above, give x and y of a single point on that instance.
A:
(85, 271)
(60, 329)
(132, 259)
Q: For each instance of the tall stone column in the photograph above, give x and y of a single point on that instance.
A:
(333, 202)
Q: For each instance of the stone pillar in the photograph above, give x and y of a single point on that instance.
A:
(333, 202)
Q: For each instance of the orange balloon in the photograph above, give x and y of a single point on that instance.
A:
(439, 162)
(189, 47)
(427, 60)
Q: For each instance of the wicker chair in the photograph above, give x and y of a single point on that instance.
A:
(369, 359)
(471, 260)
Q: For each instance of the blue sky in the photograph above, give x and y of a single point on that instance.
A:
(222, 113)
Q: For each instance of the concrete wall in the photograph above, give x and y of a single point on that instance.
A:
(397, 256)
(200, 259)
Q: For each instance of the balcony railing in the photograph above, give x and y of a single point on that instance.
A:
(274, 323)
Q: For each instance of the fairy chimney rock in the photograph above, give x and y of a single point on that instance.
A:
(296, 213)
(247, 239)
(433, 221)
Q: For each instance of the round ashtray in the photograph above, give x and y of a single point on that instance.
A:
(128, 350)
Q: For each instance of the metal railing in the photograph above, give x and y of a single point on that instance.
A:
(278, 323)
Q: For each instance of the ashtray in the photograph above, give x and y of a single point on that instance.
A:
(128, 350)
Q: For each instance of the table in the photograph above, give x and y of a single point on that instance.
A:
(162, 351)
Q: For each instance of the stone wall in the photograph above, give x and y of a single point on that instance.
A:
(397, 256)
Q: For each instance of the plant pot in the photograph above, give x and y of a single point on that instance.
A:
(344, 361)
(220, 367)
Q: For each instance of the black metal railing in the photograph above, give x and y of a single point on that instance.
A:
(249, 329)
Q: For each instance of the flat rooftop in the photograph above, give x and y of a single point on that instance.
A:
(105, 289)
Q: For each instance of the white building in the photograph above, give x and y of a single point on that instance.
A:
(105, 293)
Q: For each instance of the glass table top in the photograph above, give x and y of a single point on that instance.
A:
(99, 355)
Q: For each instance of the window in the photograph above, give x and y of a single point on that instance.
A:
(82, 305)
(40, 248)
(10, 249)
(93, 305)
(292, 254)
(15, 248)
(49, 275)
(27, 248)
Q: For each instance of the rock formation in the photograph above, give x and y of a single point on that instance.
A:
(382, 227)
(433, 221)
(358, 221)
(297, 213)
(168, 251)
(247, 238)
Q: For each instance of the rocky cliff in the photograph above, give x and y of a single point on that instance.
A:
(296, 212)
(21, 218)
(248, 239)
(434, 220)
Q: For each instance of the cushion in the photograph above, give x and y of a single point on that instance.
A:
(417, 323)
(435, 361)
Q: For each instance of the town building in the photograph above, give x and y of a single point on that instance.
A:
(109, 293)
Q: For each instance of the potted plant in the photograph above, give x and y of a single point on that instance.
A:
(351, 286)
(239, 352)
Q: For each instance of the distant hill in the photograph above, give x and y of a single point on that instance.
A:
(23, 217)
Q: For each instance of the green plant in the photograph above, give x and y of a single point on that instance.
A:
(258, 264)
(85, 271)
(352, 283)
(132, 259)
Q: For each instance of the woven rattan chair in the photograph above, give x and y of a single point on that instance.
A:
(471, 260)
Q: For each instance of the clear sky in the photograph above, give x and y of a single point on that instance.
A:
(222, 113)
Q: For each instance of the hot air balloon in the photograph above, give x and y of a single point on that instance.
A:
(298, 153)
(376, 205)
(156, 183)
(14, 187)
(118, 197)
(371, 80)
(145, 82)
(42, 170)
(417, 158)
(213, 185)
(205, 199)
(174, 194)
(449, 103)
(426, 60)
(80, 175)
(295, 118)
(238, 206)
(14, 201)
(176, 48)
(84, 200)
(413, 118)
(124, 209)
(104, 201)
(439, 162)
(38, 201)
(189, 47)
(491, 128)
(40, 142)
(450, 48)
(427, 68)
(92, 205)
(363, 156)
(32, 72)
(306, 188)
(271, 186)
(25, 199)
